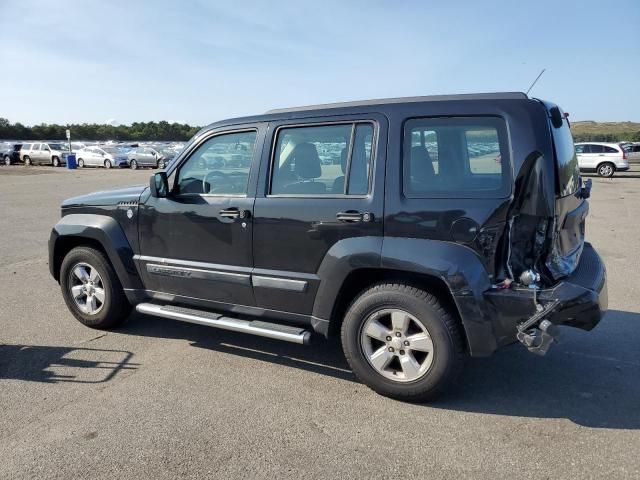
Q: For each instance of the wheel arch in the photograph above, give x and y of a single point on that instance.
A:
(97, 231)
(452, 272)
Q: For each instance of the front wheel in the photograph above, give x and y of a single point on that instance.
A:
(107, 164)
(80, 163)
(27, 160)
(92, 290)
(7, 160)
(401, 342)
(55, 161)
(161, 164)
(133, 165)
(606, 169)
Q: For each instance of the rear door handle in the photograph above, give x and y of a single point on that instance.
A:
(353, 216)
(234, 212)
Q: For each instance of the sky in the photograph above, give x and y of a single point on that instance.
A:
(198, 61)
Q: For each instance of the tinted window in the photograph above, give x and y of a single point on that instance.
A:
(317, 160)
(610, 150)
(596, 149)
(455, 157)
(580, 149)
(220, 166)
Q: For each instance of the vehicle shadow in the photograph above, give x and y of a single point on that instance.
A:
(37, 363)
(591, 378)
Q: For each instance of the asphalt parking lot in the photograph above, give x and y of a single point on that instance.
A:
(160, 399)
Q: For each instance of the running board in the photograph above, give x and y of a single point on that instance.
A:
(216, 320)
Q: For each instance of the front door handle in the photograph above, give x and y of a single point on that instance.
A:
(353, 216)
(234, 212)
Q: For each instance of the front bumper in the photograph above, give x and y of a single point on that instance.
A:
(582, 300)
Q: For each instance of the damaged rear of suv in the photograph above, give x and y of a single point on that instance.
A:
(420, 230)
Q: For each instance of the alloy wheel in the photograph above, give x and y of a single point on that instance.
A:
(605, 170)
(87, 288)
(397, 345)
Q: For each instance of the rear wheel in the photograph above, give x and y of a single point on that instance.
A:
(92, 290)
(401, 342)
(161, 164)
(7, 160)
(27, 160)
(80, 163)
(606, 169)
(107, 164)
(55, 161)
(133, 165)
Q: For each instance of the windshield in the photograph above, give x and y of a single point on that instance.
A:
(566, 160)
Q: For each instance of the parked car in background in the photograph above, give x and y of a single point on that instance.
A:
(147, 157)
(603, 158)
(106, 157)
(75, 146)
(39, 153)
(10, 152)
(633, 153)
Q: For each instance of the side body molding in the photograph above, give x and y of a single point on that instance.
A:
(104, 230)
(461, 270)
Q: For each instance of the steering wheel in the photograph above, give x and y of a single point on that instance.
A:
(216, 173)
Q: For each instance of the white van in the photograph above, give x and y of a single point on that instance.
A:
(603, 158)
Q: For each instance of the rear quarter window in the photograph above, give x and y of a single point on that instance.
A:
(456, 158)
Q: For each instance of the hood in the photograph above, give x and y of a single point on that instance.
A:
(106, 197)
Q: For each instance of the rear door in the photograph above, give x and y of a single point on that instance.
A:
(321, 191)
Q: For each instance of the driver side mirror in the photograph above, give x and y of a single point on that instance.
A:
(159, 185)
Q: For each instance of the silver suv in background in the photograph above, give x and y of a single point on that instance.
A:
(633, 152)
(106, 157)
(43, 153)
(603, 158)
(147, 157)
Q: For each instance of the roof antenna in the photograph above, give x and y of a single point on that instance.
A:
(535, 81)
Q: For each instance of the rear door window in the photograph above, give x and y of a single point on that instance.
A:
(596, 149)
(610, 150)
(325, 160)
(456, 158)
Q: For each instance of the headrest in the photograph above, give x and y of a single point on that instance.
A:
(306, 161)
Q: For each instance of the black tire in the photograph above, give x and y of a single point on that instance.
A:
(107, 164)
(115, 308)
(80, 163)
(7, 160)
(444, 330)
(27, 160)
(55, 161)
(133, 165)
(161, 164)
(606, 169)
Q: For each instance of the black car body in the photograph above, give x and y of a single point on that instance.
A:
(10, 153)
(475, 200)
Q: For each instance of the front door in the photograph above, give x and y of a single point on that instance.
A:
(320, 201)
(197, 242)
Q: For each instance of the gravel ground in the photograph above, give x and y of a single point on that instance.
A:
(160, 399)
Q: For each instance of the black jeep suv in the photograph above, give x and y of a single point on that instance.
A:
(421, 230)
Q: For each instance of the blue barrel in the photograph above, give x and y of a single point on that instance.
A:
(71, 161)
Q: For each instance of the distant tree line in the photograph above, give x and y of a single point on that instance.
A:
(606, 137)
(159, 131)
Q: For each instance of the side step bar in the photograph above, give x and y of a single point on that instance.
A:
(210, 319)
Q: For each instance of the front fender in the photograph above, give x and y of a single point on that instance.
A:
(98, 228)
(461, 269)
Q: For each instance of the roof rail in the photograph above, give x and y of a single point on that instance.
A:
(427, 98)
